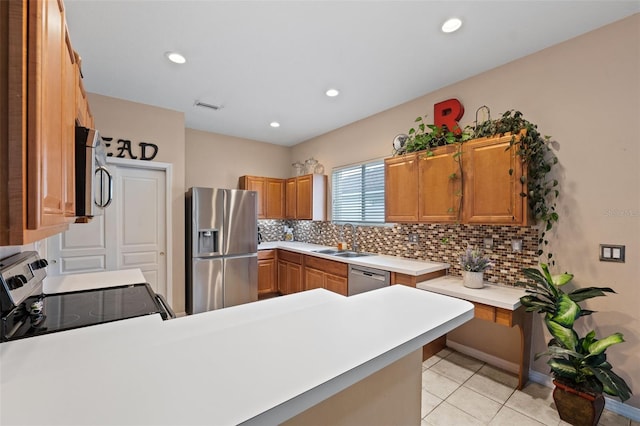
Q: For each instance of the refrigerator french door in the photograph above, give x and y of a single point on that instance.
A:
(222, 248)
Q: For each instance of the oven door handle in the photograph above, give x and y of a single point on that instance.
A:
(163, 302)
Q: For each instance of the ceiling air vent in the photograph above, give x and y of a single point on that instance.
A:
(206, 105)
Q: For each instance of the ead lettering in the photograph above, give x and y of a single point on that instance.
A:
(124, 148)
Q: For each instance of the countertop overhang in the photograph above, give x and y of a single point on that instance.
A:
(380, 261)
(259, 363)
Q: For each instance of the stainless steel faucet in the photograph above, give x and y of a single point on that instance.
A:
(354, 244)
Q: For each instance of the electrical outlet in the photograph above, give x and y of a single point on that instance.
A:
(414, 238)
(611, 253)
(488, 243)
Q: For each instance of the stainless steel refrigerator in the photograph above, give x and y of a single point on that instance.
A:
(221, 248)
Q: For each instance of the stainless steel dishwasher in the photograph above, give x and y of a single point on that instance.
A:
(362, 278)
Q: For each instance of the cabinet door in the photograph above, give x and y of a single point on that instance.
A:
(294, 277)
(266, 276)
(46, 173)
(290, 198)
(258, 184)
(304, 197)
(439, 184)
(275, 198)
(313, 279)
(336, 284)
(283, 282)
(491, 193)
(68, 127)
(401, 188)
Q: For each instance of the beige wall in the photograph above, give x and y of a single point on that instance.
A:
(218, 161)
(586, 94)
(144, 123)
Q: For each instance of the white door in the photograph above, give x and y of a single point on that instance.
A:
(135, 224)
(130, 234)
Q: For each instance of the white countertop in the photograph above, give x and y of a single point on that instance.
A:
(501, 296)
(387, 263)
(261, 362)
(91, 280)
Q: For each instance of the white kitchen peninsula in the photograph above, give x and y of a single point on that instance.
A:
(260, 363)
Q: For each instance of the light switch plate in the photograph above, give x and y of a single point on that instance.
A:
(612, 253)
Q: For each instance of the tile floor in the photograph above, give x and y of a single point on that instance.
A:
(459, 390)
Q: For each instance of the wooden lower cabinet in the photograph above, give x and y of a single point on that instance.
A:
(290, 277)
(413, 280)
(313, 278)
(327, 274)
(267, 272)
(337, 284)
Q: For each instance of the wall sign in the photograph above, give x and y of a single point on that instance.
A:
(147, 151)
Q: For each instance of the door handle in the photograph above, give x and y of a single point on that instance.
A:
(161, 253)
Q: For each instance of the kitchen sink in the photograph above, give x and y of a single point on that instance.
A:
(351, 254)
(326, 251)
(342, 253)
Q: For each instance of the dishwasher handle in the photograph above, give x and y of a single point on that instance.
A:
(368, 274)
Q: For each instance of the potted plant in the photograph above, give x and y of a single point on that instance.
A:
(473, 264)
(578, 364)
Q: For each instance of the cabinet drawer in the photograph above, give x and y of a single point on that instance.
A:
(290, 256)
(504, 317)
(329, 266)
(484, 312)
(266, 254)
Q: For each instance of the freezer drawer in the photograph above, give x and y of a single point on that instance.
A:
(240, 280)
(205, 290)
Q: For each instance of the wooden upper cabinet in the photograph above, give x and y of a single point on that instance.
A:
(401, 188)
(270, 195)
(37, 198)
(437, 188)
(491, 193)
(290, 198)
(275, 198)
(258, 184)
(47, 56)
(439, 184)
(68, 126)
(83, 112)
(311, 197)
(304, 200)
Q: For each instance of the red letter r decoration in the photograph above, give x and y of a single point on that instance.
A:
(447, 113)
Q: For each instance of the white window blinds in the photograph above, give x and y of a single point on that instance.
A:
(358, 193)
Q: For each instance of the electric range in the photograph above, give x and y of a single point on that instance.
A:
(27, 311)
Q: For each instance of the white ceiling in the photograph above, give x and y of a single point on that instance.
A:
(266, 61)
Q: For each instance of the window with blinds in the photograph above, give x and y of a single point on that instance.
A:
(358, 193)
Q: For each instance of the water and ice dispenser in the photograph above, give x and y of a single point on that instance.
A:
(208, 242)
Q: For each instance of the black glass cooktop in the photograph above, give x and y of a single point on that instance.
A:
(65, 311)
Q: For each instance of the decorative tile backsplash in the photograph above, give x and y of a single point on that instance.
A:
(436, 242)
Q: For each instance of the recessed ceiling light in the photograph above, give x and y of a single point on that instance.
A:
(274, 124)
(451, 25)
(332, 93)
(175, 57)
